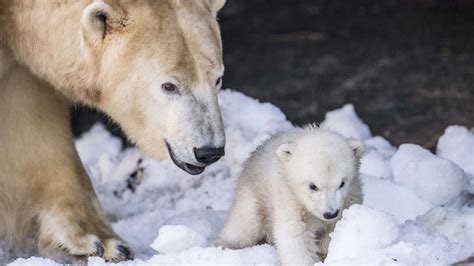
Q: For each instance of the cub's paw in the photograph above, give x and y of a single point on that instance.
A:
(220, 242)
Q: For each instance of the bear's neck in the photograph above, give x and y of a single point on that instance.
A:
(45, 37)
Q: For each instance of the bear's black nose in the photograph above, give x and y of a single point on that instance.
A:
(208, 155)
(329, 215)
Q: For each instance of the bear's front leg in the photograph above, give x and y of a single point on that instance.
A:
(40, 166)
(244, 224)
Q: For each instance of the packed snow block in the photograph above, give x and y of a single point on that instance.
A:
(177, 238)
(346, 122)
(457, 145)
(399, 201)
(432, 178)
(360, 231)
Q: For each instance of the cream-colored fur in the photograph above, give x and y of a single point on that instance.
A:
(113, 55)
(287, 185)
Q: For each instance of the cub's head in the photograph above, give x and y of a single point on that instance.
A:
(319, 168)
(156, 69)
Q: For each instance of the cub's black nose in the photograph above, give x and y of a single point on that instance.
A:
(208, 155)
(329, 215)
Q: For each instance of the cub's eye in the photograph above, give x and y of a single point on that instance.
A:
(342, 184)
(218, 81)
(169, 87)
(313, 187)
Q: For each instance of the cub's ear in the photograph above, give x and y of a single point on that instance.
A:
(357, 146)
(216, 5)
(97, 19)
(285, 150)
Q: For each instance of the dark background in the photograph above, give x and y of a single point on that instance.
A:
(407, 65)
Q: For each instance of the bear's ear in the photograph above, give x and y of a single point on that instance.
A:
(97, 20)
(357, 146)
(216, 5)
(285, 150)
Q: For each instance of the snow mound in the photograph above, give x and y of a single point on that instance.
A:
(375, 164)
(376, 160)
(457, 145)
(176, 238)
(401, 202)
(360, 231)
(169, 217)
(346, 122)
(434, 179)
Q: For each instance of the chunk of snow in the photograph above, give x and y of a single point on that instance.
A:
(432, 178)
(457, 145)
(176, 238)
(380, 145)
(360, 231)
(375, 164)
(376, 160)
(397, 200)
(346, 122)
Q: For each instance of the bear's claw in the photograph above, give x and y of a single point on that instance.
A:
(125, 252)
(99, 249)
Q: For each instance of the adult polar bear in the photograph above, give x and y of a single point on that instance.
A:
(155, 66)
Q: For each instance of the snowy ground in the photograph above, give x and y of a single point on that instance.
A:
(415, 210)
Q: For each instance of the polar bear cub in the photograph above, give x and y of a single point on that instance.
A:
(292, 191)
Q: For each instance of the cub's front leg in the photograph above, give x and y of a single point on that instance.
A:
(294, 241)
(294, 244)
(40, 166)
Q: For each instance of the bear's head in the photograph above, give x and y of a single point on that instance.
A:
(319, 167)
(155, 66)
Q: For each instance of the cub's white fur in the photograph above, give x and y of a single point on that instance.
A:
(276, 200)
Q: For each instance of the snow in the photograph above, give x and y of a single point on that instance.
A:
(401, 202)
(176, 238)
(360, 231)
(437, 180)
(457, 145)
(376, 161)
(375, 164)
(346, 122)
(410, 214)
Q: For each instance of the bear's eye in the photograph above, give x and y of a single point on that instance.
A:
(342, 184)
(169, 87)
(218, 81)
(313, 187)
